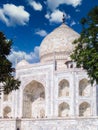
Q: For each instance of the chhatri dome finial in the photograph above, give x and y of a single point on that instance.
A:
(63, 19)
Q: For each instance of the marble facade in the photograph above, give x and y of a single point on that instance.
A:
(54, 94)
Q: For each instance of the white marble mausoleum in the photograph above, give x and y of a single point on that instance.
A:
(54, 94)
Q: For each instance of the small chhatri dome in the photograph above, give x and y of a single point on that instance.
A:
(58, 42)
(22, 63)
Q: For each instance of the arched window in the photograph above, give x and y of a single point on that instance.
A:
(7, 112)
(84, 87)
(63, 110)
(84, 109)
(63, 88)
(34, 100)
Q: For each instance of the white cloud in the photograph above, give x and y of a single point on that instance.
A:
(56, 16)
(42, 32)
(47, 16)
(12, 15)
(53, 4)
(72, 23)
(36, 5)
(31, 57)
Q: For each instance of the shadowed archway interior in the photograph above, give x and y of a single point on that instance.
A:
(34, 100)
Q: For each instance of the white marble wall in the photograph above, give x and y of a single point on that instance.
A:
(52, 123)
(49, 78)
(59, 124)
(44, 75)
(7, 124)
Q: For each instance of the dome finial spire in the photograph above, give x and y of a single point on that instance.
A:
(63, 19)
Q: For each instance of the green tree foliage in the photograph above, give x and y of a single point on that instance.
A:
(7, 80)
(86, 47)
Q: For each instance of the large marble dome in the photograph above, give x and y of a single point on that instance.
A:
(58, 43)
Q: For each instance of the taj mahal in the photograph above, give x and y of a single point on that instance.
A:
(54, 93)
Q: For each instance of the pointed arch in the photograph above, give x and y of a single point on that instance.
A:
(63, 88)
(84, 87)
(7, 112)
(84, 109)
(33, 99)
(64, 110)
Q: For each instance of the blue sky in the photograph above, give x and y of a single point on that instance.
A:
(27, 22)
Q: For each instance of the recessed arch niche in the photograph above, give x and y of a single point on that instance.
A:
(34, 100)
(84, 109)
(64, 110)
(7, 112)
(63, 88)
(84, 87)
